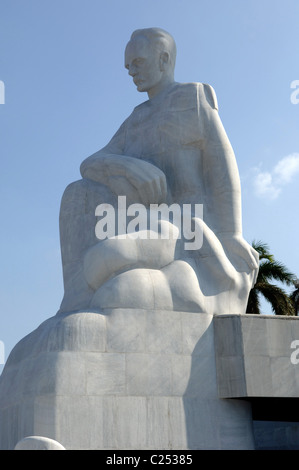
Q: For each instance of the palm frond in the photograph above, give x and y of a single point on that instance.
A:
(253, 304)
(280, 302)
(263, 250)
(270, 270)
(294, 296)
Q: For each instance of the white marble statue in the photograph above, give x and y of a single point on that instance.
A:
(172, 149)
(129, 360)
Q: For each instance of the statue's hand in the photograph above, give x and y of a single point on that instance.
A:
(140, 181)
(240, 252)
(147, 181)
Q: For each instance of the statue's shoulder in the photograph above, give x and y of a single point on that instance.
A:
(204, 93)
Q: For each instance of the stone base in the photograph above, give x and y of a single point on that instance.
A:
(121, 379)
(257, 357)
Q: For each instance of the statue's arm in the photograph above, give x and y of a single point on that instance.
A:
(220, 171)
(139, 180)
(92, 167)
(222, 183)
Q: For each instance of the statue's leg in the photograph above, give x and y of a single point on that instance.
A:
(149, 249)
(88, 262)
(77, 222)
(174, 287)
(150, 277)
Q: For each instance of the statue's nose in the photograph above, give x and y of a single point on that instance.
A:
(132, 70)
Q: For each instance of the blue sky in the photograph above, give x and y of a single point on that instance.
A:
(67, 92)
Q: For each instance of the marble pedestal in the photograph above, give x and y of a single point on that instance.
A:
(121, 379)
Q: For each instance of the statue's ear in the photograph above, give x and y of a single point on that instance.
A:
(210, 96)
(164, 59)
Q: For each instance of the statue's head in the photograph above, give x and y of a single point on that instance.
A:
(150, 59)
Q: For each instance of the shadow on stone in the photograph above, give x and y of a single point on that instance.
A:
(211, 422)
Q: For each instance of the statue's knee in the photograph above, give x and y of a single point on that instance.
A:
(83, 196)
(74, 192)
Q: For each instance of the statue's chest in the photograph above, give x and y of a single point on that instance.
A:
(170, 140)
(158, 131)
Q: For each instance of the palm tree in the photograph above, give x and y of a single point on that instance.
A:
(269, 270)
(295, 296)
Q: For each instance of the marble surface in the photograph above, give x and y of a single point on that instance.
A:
(256, 355)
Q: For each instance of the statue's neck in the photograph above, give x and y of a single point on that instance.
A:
(161, 88)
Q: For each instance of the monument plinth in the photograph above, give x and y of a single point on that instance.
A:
(121, 379)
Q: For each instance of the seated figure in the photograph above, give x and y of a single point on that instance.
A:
(172, 149)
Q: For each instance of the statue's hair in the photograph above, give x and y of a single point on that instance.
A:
(164, 40)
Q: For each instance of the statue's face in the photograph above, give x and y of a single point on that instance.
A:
(143, 63)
